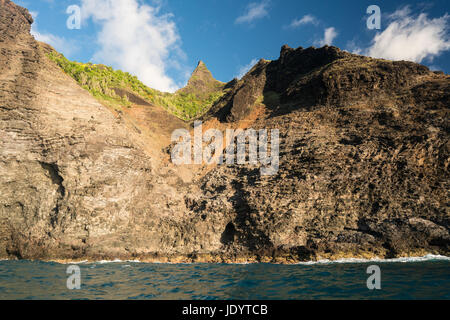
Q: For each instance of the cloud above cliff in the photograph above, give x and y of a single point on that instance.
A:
(136, 38)
(328, 37)
(411, 37)
(254, 11)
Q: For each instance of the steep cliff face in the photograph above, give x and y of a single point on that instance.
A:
(364, 159)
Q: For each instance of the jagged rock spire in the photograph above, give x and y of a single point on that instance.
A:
(201, 81)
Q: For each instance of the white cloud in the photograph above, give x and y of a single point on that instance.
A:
(412, 38)
(136, 38)
(244, 69)
(329, 35)
(307, 19)
(59, 43)
(253, 12)
(400, 13)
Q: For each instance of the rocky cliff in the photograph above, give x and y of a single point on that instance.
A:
(77, 180)
(364, 159)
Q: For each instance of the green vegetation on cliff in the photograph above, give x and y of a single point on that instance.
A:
(103, 83)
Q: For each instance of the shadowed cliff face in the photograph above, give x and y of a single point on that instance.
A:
(304, 78)
(364, 157)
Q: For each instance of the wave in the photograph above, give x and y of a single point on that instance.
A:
(428, 257)
(114, 261)
(99, 262)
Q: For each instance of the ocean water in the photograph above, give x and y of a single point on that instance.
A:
(421, 278)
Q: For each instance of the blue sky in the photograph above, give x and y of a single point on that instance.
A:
(161, 41)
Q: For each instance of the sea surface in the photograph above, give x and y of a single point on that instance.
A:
(412, 278)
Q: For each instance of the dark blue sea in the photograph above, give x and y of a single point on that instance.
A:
(421, 278)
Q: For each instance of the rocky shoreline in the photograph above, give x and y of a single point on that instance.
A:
(245, 259)
(267, 260)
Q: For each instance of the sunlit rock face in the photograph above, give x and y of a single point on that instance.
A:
(364, 159)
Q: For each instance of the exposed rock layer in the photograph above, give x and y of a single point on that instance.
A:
(364, 161)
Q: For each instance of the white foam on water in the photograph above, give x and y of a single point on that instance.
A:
(108, 261)
(428, 257)
(72, 262)
(115, 261)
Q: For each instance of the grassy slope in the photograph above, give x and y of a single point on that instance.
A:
(101, 80)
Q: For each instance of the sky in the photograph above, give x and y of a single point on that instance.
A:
(161, 41)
